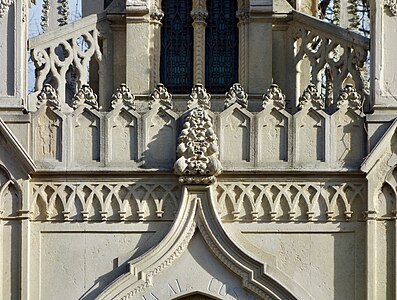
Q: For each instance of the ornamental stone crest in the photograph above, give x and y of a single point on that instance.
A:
(392, 5)
(236, 94)
(162, 96)
(123, 96)
(197, 150)
(199, 97)
(350, 97)
(4, 7)
(274, 96)
(311, 97)
(48, 96)
(86, 96)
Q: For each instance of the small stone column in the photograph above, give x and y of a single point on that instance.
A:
(156, 16)
(138, 47)
(243, 29)
(199, 14)
(383, 99)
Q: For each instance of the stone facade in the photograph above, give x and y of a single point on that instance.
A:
(112, 187)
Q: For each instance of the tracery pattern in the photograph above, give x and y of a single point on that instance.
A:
(177, 46)
(221, 53)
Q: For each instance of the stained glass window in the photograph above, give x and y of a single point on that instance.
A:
(221, 53)
(176, 67)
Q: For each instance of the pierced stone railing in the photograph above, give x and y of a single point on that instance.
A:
(64, 57)
(327, 56)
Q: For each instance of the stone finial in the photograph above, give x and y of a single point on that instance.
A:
(274, 96)
(236, 94)
(350, 98)
(199, 97)
(162, 96)
(85, 96)
(392, 5)
(311, 97)
(197, 150)
(124, 96)
(48, 96)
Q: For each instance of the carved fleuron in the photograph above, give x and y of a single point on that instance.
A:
(350, 97)
(4, 7)
(162, 96)
(274, 96)
(311, 97)
(236, 94)
(199, 97)
(123, 96)
(197, 150)
(48, 96)
(392, 5)
(86, 96)
(157, 15)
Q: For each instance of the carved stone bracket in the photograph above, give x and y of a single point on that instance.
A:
(311, 97)
(392, 5)
(86, 96)
(48, 96)
(162, 96)
(350, 97)
(4, 6)
(123, 96)
(274, 96)
(236, 94)
(197, 150)
(199, 97)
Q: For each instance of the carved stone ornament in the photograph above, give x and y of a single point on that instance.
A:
(199, 97)
(157, 15)
(311, 97)
(4, 6)
(236, 94)
(162, 96)
(45, 12)
(64, 12)
(123, 96)
(197, 150)
(48, 96)
(392, 5)
(86, 96)
(350, 97)
(274, 96)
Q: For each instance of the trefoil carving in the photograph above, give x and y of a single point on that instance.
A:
(4, 7)
(274, 96)
(197, 150)
(311, 97)
(162, 96)
(48, 96)
(123, 96)
(236, 94)
(392, 5)
(350, 97)
(86, 96)
(199, 97)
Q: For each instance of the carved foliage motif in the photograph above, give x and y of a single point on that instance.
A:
(104, 201)
(162, 96)
(199, 97)
(86, 96)
(274, 96)
(197, 149)
(237, 95)
(4, 6)
(309, 201)
(311, 98)
(48, 96)
(123, 96)
(350, 97)
(392, 5)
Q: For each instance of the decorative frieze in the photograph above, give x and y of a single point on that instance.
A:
(197, 150)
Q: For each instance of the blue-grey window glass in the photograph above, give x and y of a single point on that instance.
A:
(221, 51)
(176, 67)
